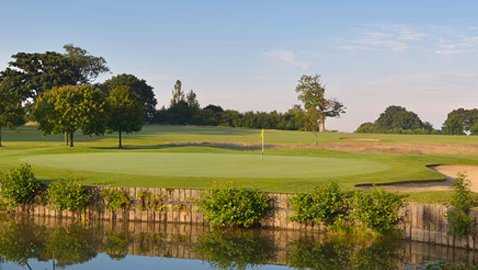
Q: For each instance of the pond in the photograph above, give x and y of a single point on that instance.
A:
(46, 243)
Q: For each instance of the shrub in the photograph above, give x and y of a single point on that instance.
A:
(460, 223)
(235, 207)
(115, 199)
(150, 201)
(19, 186)
(327, 204)
(378, 210)
(69, 195)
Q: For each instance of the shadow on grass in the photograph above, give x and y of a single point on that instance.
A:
(229, 146)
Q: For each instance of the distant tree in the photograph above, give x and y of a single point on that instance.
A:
(140, 88)
(317, 107)
(461, 121)
(194, 108)
(12, 112)
(212, 115)
(191, 100)
(367, 127)
(178, 94)
(396, 119)
(42, 71)
(67, 109)
(295, 118)
(125, 112)
(232, 118)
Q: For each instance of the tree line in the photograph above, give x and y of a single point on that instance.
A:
(397, 119)
(184, 109)
(57, 90)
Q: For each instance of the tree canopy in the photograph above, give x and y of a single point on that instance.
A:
(38, 72)
(311, 92)
(71, 108)
(396, 119)
(461, 121)
(12, 113)
(125, 112)
(140, 88)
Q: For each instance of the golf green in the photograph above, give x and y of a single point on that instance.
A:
(207, 165)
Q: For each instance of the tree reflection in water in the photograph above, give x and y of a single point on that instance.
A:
(235, 249)
(24, 241)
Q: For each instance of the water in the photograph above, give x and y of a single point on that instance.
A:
(40, 243)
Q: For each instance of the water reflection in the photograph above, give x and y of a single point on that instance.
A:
(48, 243)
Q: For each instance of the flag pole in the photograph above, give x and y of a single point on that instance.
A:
(262, 144)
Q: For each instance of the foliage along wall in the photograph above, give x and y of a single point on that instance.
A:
(421, 222)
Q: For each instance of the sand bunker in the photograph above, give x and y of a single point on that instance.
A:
(450, 171)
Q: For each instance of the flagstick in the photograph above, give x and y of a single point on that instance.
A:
(262, 144)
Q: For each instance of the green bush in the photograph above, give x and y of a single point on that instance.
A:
(240, 207)
(115, 199)
(460, 223)
(327, 204)
(151, 202)
(378, 210)
(69, 195)
(19, 186)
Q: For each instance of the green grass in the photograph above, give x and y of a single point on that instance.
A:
(199, 157)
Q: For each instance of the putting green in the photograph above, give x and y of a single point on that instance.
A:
(207, 165)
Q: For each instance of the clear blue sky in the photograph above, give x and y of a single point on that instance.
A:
(248, 55)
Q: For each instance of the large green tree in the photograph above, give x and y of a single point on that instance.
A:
(125, 112)
(396, 119)
(461, 121)
(140, 88)
(71, 108)
(39, 72)
(12, 113)
(311, 92)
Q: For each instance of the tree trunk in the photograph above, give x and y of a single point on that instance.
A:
(67, 138)
(120, 139)
(1, 137)
(71, 139)
(322, 123)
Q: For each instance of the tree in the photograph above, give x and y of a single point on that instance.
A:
(212, 115)
(317, 106)
(461, 121)
(125, 112)
(396, 119)
(191, 100)
(140, 88)
(178, 94)
(43, 71)
(11, 110)
(367, 127)
(67, 109)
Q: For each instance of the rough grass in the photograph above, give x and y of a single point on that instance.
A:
(198, 157)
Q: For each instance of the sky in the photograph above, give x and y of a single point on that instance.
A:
(248, 55)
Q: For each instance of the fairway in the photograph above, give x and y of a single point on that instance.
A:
(206, 165)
